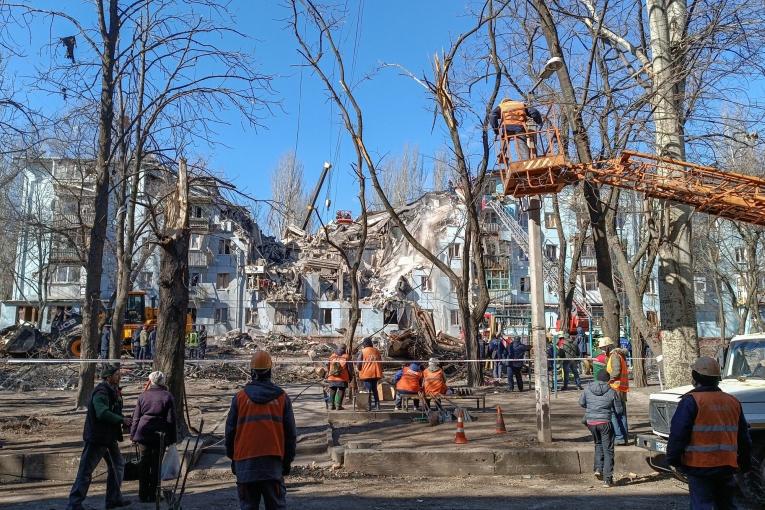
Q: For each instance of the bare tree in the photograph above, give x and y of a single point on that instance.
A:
(289, 195)
(469, 281)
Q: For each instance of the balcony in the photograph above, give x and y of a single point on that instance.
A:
(496, 262)
(588, 262)
(198, 259)
(490, 228)
(72, 221)
(199, 224)
(64, 255)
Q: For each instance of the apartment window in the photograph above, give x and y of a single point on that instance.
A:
(525, 284)
(425, 284)
(497, 279)
(590, 282)
(741, 288)
(550, 220)
(67, 274)
(651, 288)
(194, 279)
(196, 211)
(699, 289)
(454, 317)
(222, 281)
(551, 251)
(326, 316)
(740, 255)
(251, 316)
(195, 243)
(285, 316)
(224, 247)
(455, 250)
(144, 279)
(221, 315)
(588, 250)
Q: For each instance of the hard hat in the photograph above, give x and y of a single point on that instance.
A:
(505, 100)
(605, 341)
(707, 366)
(261, 360)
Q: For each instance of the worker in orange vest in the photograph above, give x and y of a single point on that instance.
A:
(618, 373)
(434, 382)
(370, 371)
(508, 120)
(339, 375)
(408, 381)
(261, 438)
(709, 439)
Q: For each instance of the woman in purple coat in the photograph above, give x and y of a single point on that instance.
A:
(154, 413)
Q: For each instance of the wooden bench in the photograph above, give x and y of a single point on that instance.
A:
(480, 400)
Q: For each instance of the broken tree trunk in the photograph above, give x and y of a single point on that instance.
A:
(174, 294)
(91, 305)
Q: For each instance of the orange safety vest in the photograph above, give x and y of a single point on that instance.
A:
(714, 437)
(513, 113)
(435, 382)
(623, 382)
(410, 381)
(370, 368)
(259, 428)
(344, 375)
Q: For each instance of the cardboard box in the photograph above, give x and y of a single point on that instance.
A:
(386, 392)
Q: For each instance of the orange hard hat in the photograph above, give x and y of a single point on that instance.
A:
(261, 360)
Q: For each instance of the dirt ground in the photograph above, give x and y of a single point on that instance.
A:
(320, 489)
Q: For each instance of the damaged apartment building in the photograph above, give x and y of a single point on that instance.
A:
(305, 289)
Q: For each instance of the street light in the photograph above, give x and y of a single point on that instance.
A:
(550, 67)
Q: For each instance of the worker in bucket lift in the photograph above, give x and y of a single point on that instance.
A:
(339, 375)
(408, 381)
(508, 120)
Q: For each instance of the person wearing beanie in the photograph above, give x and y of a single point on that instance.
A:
(339, 375)
(408, 381)
(709, 439)
(434, 382)
(601, 402)
(261, 438)
(102, 434)
(614, 360)
(370, 371)
(154, 413)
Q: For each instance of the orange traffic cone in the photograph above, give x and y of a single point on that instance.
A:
(460, 438)
(501, 429)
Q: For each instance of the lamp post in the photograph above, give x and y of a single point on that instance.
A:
(536, 273)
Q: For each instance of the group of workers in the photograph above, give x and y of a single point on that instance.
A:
(409, 380)
(196, 343)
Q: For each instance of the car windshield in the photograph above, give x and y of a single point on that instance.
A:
(745, 359)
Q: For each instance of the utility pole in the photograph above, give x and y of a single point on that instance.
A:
(536, 272)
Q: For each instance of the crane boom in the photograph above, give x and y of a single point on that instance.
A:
(726, 194)
(312, 204)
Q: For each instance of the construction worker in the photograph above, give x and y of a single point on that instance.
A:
(136, 342)
(192, 343)
(408, 381)
(370, 371)
(709, 439)
(434, 382)
(102, 434)
(261, 438)
(618, 373)
(143, 340)
(508, 120)
(339, 375)
(599, 362)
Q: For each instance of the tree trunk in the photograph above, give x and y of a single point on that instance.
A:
(174, 296)
(667, 23)
(611, 308)
(94, 264)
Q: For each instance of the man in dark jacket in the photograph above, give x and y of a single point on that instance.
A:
(202, 341)
(494, 351)
(709, 439)
(516, 351)
(570, 365)
(102, 432)
(154, 414)
(261, 438)
(601, 402)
